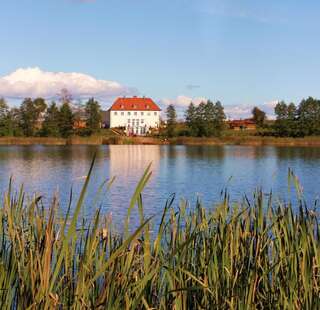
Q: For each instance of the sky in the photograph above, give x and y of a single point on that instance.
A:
(243, 53)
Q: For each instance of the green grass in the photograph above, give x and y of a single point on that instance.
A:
(246, 255)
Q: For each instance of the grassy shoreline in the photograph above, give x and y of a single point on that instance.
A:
(245, 140)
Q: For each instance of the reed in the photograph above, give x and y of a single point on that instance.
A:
(246, 255)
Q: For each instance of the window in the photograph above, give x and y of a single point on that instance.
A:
(137, 121)
(115, 113)
(155, 113)
(142, 121)
(135, 113)
(149, 114)
(142, 113)
(122, 113)
(129, 113)
(129, 121)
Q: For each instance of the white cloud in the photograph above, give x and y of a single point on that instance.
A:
(244, 110)
(240, 111)
(34, 82)
(182, 101)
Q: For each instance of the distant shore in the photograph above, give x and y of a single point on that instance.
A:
(120, 140)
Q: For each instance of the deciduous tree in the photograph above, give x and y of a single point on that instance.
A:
(258, 116)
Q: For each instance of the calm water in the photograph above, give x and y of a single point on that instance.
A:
(187, 171)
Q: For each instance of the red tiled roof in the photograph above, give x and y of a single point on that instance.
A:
(134, 104)
(241, 122)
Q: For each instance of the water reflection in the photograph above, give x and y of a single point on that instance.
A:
(188, 171)
(127, 160)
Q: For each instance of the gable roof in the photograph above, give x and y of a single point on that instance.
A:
(134, 104)
(241, 122)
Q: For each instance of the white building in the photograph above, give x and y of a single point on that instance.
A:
(136, 115)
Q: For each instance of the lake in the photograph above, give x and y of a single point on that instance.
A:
(191, 172)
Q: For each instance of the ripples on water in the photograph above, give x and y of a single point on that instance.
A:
(187, 171)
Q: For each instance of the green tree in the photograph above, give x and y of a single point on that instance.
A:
(5, 119)
(191, 120)
(15, 122)
(50, 127)
(258, 116)
(30, 112)
(286, 123)
(39, 105)
(209, 117)
(93, 113)
(219, 119)
(206, 120)
(65, 120)
(171, 120)
(309, 116)
(292, 125)
(200, 119)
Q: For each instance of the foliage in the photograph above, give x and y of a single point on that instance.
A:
(205, 120)
(50, 126)
(94, 117)
(6, 121)
(286, 123)
(65, 120)
(249, 255)
(309, 116)
(258, 116)
(30, 112)
(190, 117)
(296, 122)
(171, 120)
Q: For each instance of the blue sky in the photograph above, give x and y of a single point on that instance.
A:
(243, 53)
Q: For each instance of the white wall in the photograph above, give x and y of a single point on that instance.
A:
(146, 119)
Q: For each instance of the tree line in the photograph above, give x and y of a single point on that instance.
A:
(35, 117)
(291, 120)
(204, 120)
(297, 121)
(208, 119)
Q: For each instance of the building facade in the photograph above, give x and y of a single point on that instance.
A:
(245, 124)
(137, 116)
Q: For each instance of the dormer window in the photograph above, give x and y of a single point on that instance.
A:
(122, 106)
(148, 107)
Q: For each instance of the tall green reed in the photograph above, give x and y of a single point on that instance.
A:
(246, 255)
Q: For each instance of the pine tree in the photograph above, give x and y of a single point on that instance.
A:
(94, 116)
(50, 127)
(65, 120)
(191, 121)
(205, 120)
(171, 120)
(5, 119)
(30, 111)
(220, 118)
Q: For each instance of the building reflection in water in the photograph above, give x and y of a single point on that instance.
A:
(127, 164)
(130, 161)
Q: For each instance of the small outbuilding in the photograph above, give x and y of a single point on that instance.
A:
(242, 124)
